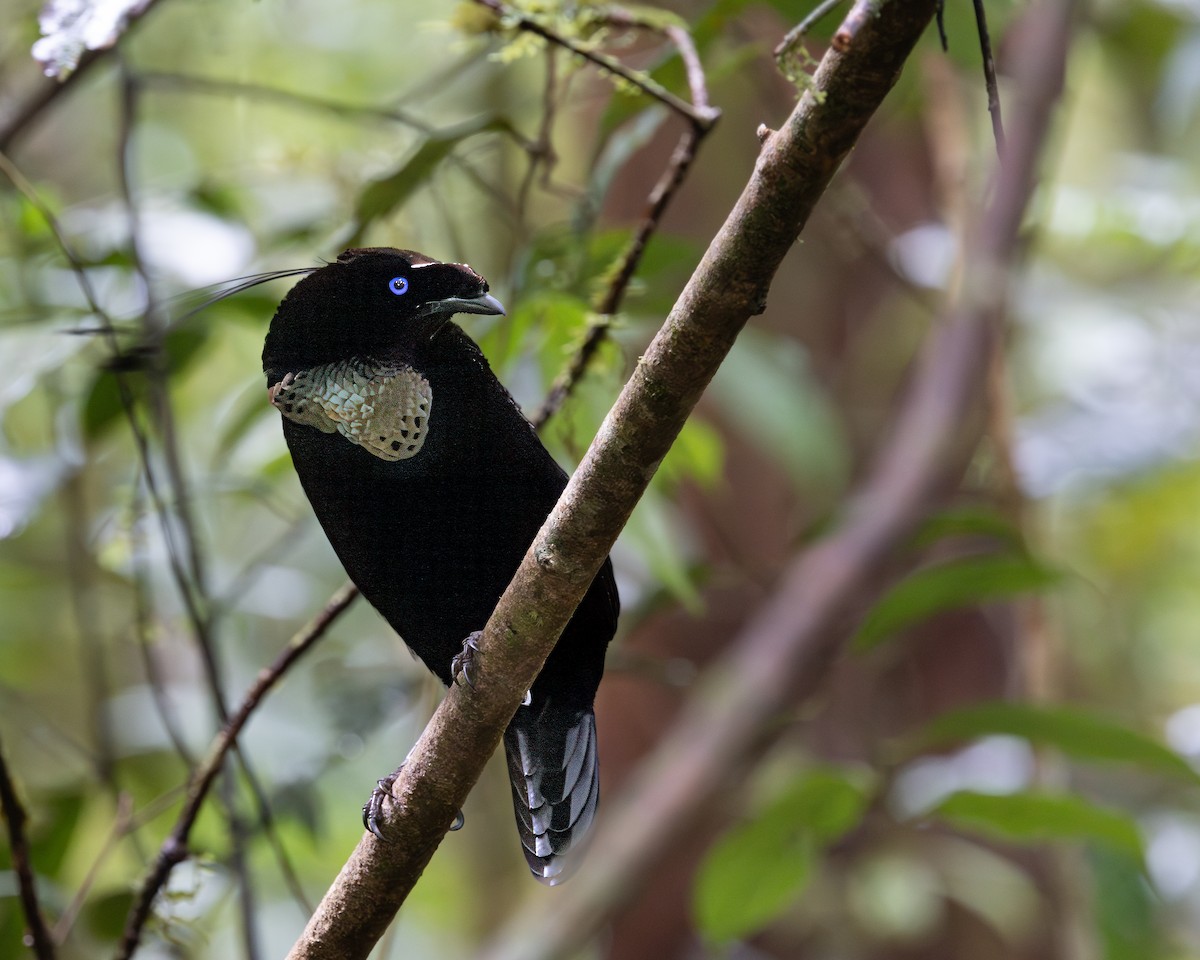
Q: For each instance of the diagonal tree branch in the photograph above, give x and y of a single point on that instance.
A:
(729, 286)
(782, 657)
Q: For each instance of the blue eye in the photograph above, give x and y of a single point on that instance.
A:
(398, 286)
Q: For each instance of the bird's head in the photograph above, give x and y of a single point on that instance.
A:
(375, 302)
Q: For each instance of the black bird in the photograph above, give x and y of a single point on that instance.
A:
(430, 484)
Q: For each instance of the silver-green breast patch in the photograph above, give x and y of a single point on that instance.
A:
(383, 408)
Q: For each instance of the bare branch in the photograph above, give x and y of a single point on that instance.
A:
(215, 86)
(609, 303)
(783, 655)
(792, 37)
(699, 115)
(989, 76)
(729, 286)
(14, 819)
(174, 848)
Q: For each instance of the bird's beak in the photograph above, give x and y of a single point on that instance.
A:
(484, 303)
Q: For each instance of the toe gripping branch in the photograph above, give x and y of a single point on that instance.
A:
(372, 810)
(462, 663)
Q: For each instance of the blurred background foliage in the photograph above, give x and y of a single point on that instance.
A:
(1003, 767)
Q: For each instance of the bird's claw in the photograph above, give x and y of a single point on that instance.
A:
(462, 662)
(372, 810)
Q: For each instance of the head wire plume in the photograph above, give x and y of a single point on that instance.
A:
(228, 288)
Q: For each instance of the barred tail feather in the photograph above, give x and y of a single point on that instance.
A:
(555, 778)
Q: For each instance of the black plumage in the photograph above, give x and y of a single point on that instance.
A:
(430, 485)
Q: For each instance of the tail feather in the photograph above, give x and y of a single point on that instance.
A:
(555, 784)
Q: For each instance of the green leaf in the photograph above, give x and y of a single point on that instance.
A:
(382, 196)
(758, 869)
(697, 454)
(182, 345)
(634, 124)
(749, 878)
(653, 529)
(1038, 817)
(103, 404)
(766, 388)
(1076, 733)
(105, 914)
(548, 324)
(59, 816)
(1125, 908)
(948, 586)
(970, 521)
(828, 800)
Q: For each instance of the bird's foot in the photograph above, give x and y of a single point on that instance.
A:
(372, 811)
(462, 662)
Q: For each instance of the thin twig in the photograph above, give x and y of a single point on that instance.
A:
(693, 68)
(80, 579)
(700, 116)
(142, 621)
(681, 39)
(108, 332)
(989, 76)
(174, 849)
(541, 153)
(792, 37)
(266, 821)
(192, 583)
(240, 868)
(190, 83)
(610, 301)
(15, 819)
(192, 579)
